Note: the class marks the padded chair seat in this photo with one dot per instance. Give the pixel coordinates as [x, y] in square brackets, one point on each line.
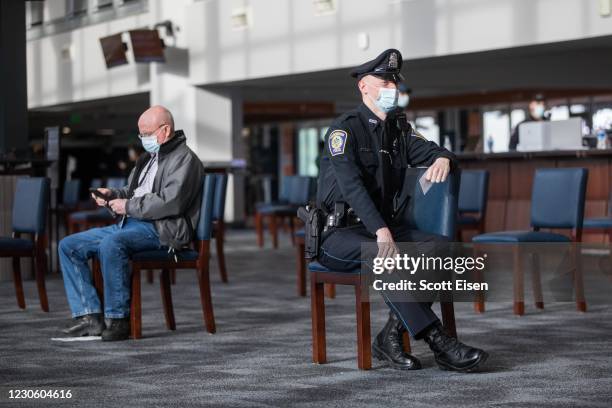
[300, 233]
[520, 236]
[100, 214]
[317, 267]
[602, 222]
[261, 205]
[163, 255]
[15, 244]
[467, 220]
[286, 209]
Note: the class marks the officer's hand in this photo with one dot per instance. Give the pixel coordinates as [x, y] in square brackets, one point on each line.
[386, 244]
[438, 171]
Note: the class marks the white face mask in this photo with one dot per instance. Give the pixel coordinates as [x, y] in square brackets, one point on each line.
[387, 99]
[538, 111]
[403, 100]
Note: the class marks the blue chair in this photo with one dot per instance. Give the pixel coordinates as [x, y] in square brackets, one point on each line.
[296, 191]
[550, 188]
[434, 212]
[219, 223]
[596, 224]
[29, 217]
[98, 217]
[473, 192]
[186, 259]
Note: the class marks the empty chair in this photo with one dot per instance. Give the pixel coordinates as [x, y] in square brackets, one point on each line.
[551, 187]
[434, 212]
[472, 206]
[597, 224]
[29, 217]
[219, 223]
[99, 217]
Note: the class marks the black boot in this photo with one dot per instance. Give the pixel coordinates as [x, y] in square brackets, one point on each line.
[87, 325]
[116, 329]
[388, 346]
[450, 353]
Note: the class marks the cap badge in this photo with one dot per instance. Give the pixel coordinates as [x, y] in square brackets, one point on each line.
[393, 60]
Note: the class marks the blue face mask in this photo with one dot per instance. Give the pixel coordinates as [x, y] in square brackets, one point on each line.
[387, 99]
[149, 143]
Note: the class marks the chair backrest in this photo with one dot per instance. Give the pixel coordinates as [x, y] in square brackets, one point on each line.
[300, 191]
[204, 230]
[96, 183]
[72, 189]
[219, 199]
[116, 182]
[473, 191]
[557, 198]
[30, 205]
[436, 211]
[286, 186]
[610, 204]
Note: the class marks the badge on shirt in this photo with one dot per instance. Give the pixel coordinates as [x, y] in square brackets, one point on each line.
[337, 141]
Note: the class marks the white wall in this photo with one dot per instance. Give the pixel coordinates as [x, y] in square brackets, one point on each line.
[286, 37]
[54, 79]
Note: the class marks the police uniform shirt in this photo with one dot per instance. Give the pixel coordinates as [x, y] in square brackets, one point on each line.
[349, 168]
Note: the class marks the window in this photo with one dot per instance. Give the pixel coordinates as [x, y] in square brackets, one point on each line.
[516, 117]
[308, 151]
[602, 119]
[102, 4]
[427, 126]
[34, 13]
[76, 7]
[496, 131]
[561, 112]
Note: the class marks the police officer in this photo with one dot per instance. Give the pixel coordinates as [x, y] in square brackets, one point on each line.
[537, 113]
[362, 169]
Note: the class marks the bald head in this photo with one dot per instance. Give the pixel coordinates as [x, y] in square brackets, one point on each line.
[157, 120]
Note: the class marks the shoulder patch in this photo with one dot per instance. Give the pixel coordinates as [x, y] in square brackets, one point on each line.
[337, 141]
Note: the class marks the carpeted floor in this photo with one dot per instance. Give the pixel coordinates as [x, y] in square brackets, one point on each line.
[261, 354]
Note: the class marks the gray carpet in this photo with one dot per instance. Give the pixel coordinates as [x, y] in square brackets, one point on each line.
[261, 354]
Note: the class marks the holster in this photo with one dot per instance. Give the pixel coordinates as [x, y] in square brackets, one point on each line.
[314, 220]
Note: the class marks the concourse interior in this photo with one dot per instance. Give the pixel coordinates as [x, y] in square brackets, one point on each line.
[261, 353]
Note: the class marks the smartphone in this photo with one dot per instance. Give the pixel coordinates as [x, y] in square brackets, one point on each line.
[98, 193]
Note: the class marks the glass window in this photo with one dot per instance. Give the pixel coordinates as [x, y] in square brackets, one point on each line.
[561, 112]
[602, 119]
[496, 131]
[34, 13]
[104, 3]
[308, 151]
[516, 117]
[427, 126]
[76, 7]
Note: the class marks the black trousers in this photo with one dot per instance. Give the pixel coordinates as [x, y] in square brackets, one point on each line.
[341, 251]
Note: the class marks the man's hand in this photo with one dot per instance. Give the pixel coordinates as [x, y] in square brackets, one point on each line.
[118, 205]
[438, 171]
[100, 201]
[386, 244]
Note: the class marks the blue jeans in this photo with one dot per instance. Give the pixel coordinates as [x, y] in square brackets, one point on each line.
[113, 246]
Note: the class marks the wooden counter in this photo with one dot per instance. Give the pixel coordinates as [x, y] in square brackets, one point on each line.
[511, 180]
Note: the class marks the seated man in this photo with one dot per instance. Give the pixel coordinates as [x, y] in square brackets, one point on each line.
[158, 208]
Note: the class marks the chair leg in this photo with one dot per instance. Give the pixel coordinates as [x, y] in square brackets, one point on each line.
[274, 230]
[479, 302]
[364, 341]
[578, 282]
[259, 229]
[317, 312]
[18, 283]
[301, 270]
[219, 241]
[150, 277]
[41, 269]
[173, 276]
[97, 279]
[448, 317]
[536, 282]
[292, 230]
[205, 296]
[330, 290]
[519, 295]
[166, 295]
[136, 305]
[406, 342]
